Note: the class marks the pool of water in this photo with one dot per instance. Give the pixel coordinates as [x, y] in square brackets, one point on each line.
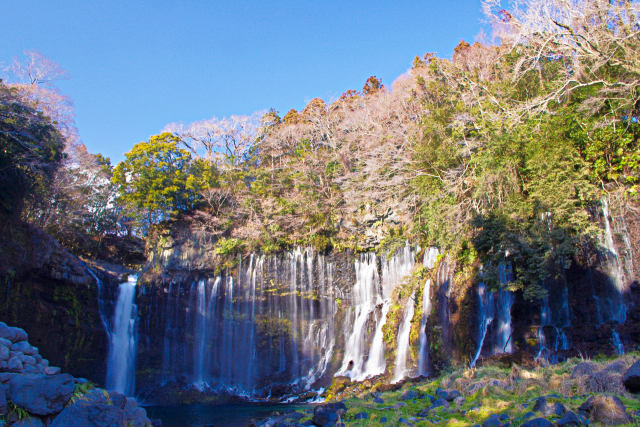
[227, 415]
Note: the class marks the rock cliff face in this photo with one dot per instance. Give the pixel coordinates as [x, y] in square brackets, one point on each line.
[50, 292]
[287, 323]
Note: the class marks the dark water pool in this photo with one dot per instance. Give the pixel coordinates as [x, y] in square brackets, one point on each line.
[228, 415]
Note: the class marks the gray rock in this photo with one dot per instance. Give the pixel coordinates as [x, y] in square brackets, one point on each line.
[409, 395]
[29, 422]
[584, 368]
[631, 378]
[95, 409]
[604, 409]
[538, 422]
[31, 369]
[51, 370]
[3, 365]
[5, 342]
[6, 376]
[327, 415]
[440, 402]
[3, 401]
[492, 421]
[405, 422]
[569, 419]
[12, 334]
[378, 400]
[15, 364]
[362, 416]
[41, 394]
[25, 348]
[618, 367]
[459, 401]
[4, 352]
[28, 360]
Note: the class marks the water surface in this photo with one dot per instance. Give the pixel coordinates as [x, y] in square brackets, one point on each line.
[227, 415]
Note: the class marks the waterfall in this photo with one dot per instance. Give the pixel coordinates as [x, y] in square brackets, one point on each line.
[423, 362]
[268, 323]
[120, 366]
[486, 313]
[402, 347]
[616, 312]
[364, 355]
[503, 301]
[617, 343]
[101, 304]
[366, 295]
[429, 261]
[376, 362]
[200, 337]
[494, 316]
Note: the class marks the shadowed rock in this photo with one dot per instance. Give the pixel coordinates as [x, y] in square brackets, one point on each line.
[631, 378]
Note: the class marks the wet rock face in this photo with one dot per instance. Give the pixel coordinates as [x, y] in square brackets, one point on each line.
[50, 293]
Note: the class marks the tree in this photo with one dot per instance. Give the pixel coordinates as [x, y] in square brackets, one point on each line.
[226, 142]
[31, 149]
[152, 180]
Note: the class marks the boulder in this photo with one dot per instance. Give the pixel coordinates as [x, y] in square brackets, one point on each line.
[41, 394]
[4, 352]
[5, 342]
[327, 415]
[12, 334]
[28, 360]
[96, 408]
[492, 421]
[584, 368]
[51, 370]
[538, 422]
[3, 401]
[604, 381]
[604, 409]
[631, 378]
[24, 347]
[15, 364]
[409, 395]
[361, 416]
[28, 422]
[570, 419]
[548, 409]
[440, 402]
[618, 367]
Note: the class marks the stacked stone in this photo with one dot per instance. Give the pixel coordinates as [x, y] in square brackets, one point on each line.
[17, 355]
[32, 393]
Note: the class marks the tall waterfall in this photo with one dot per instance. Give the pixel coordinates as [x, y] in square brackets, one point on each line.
[429, 260]
[370, 298]
[494, 316]
[611, 306]
[402, 347]
[269, 323]
[554, 319]
[122, 349]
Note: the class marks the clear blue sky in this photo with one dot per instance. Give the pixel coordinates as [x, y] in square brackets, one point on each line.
[138, 65]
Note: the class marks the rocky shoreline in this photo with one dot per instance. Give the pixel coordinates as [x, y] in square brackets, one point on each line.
[34, 394]
[573, 393]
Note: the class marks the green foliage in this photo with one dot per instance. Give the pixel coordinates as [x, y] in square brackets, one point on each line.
[228, 246]
[31, 149]
[152, 180]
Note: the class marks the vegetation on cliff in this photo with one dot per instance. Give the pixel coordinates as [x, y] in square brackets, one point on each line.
[504, 149]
